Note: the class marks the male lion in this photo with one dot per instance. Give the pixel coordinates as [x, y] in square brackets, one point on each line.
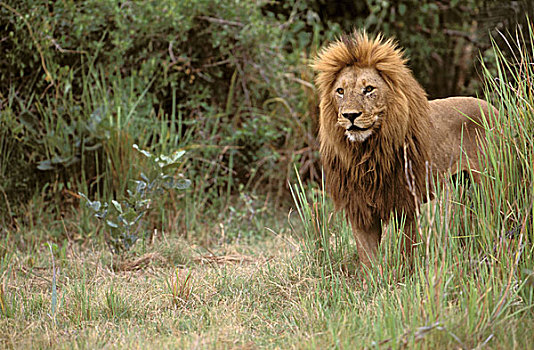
[379, 136]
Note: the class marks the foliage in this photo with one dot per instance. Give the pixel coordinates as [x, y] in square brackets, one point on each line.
[180, 286]
[434, 34]
[475, 251]
[83, 81]
[123, 218]
[326, 237]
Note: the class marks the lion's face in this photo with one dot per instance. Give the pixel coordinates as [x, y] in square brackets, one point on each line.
[360, 97]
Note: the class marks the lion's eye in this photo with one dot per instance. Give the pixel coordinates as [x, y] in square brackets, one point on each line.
[340, 91]
[368, 89]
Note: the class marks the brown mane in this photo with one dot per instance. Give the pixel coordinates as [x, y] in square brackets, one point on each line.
[369, 179]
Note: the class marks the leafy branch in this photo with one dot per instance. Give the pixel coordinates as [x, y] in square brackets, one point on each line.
[122, 218]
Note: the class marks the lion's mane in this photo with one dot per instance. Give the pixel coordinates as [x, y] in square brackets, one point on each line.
[371, 179]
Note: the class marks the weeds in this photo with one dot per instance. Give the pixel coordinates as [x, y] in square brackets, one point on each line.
[472, 281]
[474, 238]
[123, 218]
[4, 306]
[116, 307]
[180, 286]
[53, 289]
[82, 302]
[326, 237]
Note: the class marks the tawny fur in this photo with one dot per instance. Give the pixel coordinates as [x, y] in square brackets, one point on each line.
[365, 171]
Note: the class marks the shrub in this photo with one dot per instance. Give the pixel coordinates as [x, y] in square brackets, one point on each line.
[82, 81]
[122, 217]
[94, 77]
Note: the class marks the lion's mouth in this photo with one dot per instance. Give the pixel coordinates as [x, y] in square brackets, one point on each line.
[357, 128]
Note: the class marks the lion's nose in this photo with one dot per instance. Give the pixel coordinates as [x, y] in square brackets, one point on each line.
[352, 116]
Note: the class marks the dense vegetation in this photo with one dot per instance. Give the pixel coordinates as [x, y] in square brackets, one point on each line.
[179, 125]
[227, 80]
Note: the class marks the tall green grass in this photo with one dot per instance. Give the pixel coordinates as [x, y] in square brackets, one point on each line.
[473, 267]
[236, 99]
[326, 236]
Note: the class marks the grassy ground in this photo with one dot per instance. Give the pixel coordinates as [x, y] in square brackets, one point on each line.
[277, 289]
[233, 296]
[230, 270]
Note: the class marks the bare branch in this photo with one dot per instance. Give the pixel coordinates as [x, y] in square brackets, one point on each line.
[221, 21]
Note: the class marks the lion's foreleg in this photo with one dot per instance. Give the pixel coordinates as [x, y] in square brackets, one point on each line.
[367, 240]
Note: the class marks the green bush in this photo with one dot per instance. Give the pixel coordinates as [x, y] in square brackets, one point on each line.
[123, 218]
[94, 77]
[82, 81]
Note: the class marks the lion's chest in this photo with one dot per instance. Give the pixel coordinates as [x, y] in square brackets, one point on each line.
[368, 189]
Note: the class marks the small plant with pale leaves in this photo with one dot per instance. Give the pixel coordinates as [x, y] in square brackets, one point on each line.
[122, 218]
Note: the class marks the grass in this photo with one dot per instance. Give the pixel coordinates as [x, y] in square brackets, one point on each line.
[231, 272]
[264, 292]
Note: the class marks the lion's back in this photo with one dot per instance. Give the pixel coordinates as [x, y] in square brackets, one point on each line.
[456, 127]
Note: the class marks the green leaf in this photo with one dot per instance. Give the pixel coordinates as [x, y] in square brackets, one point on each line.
[45, 165]
[402, 9]
[96, 205]
[141, 185]
[101, 214]
[143, 152]
[60, 160]
[144, 177]
[182, 184]
[170, 166]
[117, 205]
[111, 224]
[177, 155]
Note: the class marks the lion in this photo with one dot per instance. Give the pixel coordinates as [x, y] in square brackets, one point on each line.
[381, 140]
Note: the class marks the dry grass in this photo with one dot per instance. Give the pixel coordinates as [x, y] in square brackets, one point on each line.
[217, 299]
[263, 293]
[234, 285]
